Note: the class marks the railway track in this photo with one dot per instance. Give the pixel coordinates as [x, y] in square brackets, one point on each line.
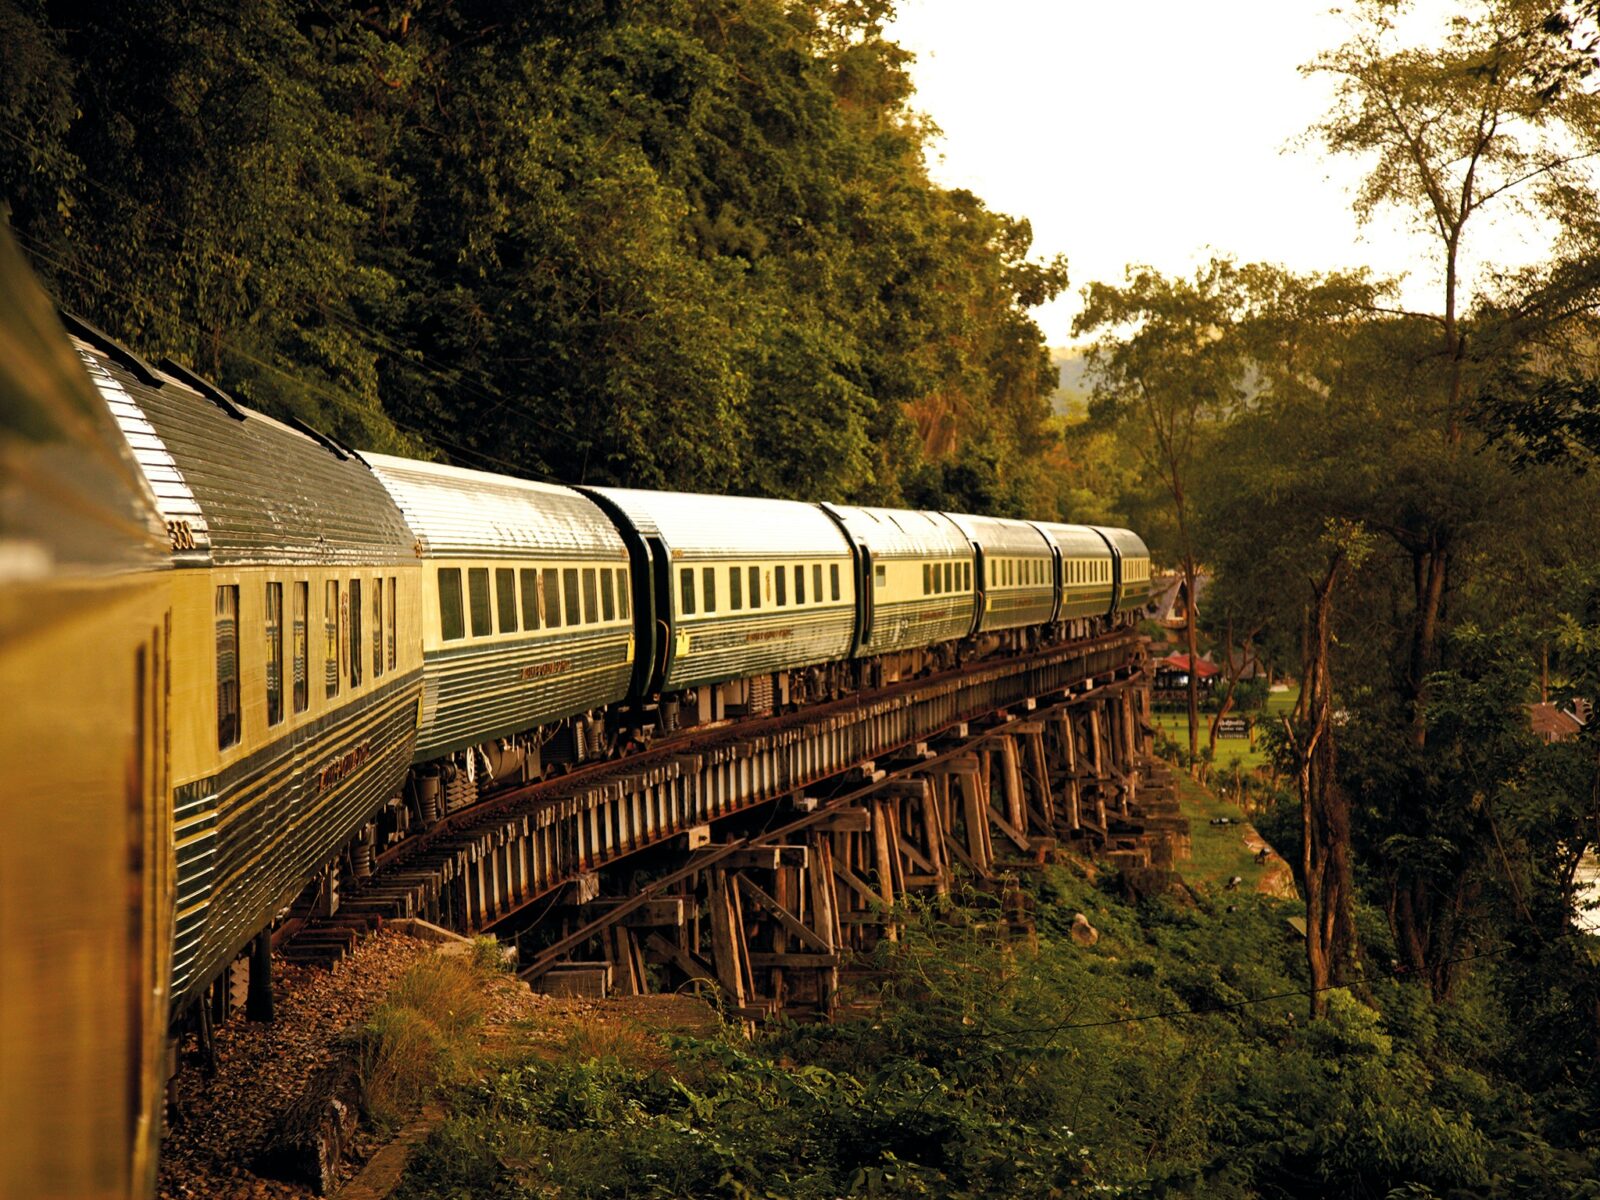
[485, 867]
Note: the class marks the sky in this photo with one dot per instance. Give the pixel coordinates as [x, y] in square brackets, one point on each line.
[1156, 133]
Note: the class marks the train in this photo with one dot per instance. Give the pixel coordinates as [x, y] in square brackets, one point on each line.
[259, 654]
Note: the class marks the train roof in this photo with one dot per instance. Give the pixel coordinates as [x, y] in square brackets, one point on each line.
[73, 501]
[461, 513]
[1002, 535]
[1128, 543]
[696, 527]
[902, 532]
[245, 487]
[1077, 541]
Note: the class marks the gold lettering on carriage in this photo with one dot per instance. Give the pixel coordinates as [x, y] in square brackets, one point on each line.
[541, 670]
[769, 635]
[344, 766]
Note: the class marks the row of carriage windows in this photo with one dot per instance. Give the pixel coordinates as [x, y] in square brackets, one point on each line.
[1089, 570]
[938, 578]
[1018, 572]
[345, 644]
[1026, 572]
[745, 587]
[529, 598]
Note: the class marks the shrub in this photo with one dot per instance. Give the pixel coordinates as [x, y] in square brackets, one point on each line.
[424, 1036]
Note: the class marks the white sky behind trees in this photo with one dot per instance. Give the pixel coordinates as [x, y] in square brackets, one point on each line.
[1160, 133]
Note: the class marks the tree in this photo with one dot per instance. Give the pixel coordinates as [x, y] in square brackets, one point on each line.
[1164, 368]
[686, 245]
[1454, 130]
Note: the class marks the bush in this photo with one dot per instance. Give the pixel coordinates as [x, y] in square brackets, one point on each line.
[423, 1037]
[1174, 1057]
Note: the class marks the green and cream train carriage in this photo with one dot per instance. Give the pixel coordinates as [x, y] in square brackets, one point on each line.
[1132, 569]
[296, 663]
[1015, 567]
[735, 595]
[1085, 573]
[526, 615]
[915, 576]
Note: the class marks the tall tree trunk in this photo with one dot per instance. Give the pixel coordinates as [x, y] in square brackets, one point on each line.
[1331, 944]
[1191, 617]
[1429, 568]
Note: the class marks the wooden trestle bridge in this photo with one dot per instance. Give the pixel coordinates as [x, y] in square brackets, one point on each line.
[765, 856]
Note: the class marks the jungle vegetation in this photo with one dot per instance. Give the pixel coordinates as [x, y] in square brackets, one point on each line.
[665, 243]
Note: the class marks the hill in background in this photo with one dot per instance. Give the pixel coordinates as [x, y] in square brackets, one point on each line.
[1071, 396]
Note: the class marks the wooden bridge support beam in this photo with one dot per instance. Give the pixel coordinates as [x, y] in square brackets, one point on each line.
[773, 933]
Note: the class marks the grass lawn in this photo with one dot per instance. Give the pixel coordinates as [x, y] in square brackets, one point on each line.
[1217, 852]
[1174, 724]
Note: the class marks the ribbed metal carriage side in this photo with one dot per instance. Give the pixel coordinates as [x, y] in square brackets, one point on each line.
[85, 857]
[716, 531]
[257, 500]
[1014, 606]
[901, 535]
[1128, 546]
[477, 690]
[1080, 543]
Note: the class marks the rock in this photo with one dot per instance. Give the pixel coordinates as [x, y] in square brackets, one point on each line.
[1084, 933]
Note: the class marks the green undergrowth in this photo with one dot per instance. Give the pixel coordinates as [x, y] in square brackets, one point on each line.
[991, 1069]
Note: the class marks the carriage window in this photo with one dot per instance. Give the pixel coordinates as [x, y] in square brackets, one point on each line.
[780, 577]
[708, 583]
[550, 597]
[569, 591]
[591, 597]
[833, 575]
[301, 639]
[686, 591]
[274, 653]
[608, 603]
[880, 576]
[966, 577]
[377, 627]
[451, 624]
[735, 588]
[505, 598]
[938, 580]
[755, 587]
[949, 577]
[478, 601]
[330, 629]
[530, 597]
[927, 579]
[622, 592]
[355, 633]
[227, 667]
[799, 584]
[394, 618]
[816, 582]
